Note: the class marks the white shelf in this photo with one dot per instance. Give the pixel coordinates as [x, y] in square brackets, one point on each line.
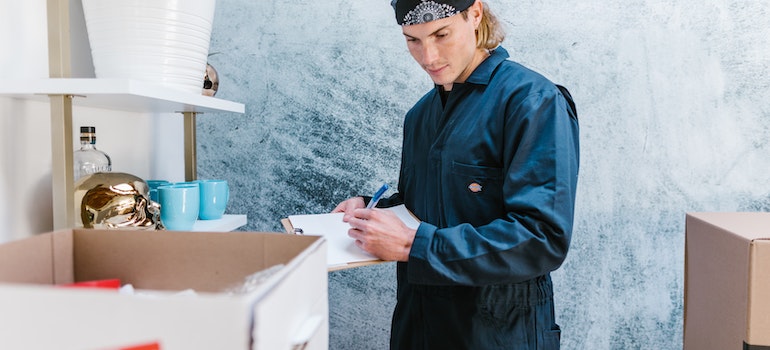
[225, 224]
[119, 94]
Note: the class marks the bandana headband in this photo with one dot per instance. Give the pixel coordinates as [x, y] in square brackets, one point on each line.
[409, 12]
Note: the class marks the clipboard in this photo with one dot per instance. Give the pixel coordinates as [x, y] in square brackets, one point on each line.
[342, 253]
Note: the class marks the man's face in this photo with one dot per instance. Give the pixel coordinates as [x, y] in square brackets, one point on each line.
[445, 48]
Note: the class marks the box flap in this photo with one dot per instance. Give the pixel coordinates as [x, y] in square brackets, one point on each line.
[62, 252]
[749, 225]
[27, 261]
[717, 263]
[41, 317]
[174, 260]
[758, 332]
[283, 312]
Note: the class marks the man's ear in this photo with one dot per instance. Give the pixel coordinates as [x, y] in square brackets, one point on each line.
[475, 12]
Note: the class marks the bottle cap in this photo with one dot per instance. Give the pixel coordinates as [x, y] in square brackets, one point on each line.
[88, 134]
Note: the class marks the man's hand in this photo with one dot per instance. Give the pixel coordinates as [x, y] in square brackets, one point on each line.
[380, 233]
[348, 206]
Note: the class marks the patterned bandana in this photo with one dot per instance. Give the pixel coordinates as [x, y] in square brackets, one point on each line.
[409, 12]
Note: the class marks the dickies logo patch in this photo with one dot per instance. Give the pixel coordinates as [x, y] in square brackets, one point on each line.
[475, 187]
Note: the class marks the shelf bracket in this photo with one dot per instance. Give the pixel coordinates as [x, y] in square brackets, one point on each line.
[190, 160]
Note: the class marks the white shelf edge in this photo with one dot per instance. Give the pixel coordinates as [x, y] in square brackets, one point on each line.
[228, 222]
[122, 94]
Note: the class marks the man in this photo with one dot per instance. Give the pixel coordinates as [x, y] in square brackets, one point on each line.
[489, 165]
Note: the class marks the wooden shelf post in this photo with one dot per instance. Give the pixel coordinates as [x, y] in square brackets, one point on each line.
[59, 66]
[190, 161]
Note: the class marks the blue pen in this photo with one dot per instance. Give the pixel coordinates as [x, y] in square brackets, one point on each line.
[377, 196]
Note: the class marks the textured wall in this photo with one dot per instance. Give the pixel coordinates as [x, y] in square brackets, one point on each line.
[674, 118]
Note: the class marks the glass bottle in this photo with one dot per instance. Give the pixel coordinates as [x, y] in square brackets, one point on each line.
[88, 159]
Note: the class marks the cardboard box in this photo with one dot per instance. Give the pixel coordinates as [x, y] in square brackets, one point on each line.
[727, 281]
[289, 308]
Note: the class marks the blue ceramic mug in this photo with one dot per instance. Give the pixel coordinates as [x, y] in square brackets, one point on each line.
[153, 185]
[179, 206]
[214, 197]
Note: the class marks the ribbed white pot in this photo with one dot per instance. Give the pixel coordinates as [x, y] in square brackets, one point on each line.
[160, 41]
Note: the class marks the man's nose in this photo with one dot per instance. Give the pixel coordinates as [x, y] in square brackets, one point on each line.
[429, 53]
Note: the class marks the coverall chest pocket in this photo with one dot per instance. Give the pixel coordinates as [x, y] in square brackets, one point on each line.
[476, 182]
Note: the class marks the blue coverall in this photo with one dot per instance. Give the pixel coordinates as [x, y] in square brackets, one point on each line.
[492, 175]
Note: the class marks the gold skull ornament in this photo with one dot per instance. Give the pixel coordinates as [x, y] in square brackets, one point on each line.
[115, 200]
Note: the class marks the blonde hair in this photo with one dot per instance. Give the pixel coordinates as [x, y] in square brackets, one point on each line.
[490, 33]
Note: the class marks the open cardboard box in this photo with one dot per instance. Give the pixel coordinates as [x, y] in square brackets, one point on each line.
[727, 281]
[289, 308]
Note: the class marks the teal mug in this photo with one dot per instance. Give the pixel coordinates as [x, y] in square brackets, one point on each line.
[179, 206]
[153, 185]
[213, 200]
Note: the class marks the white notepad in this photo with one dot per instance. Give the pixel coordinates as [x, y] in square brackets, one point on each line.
[341, 249]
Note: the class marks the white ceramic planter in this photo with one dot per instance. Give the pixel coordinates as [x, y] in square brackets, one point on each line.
[160, 41]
